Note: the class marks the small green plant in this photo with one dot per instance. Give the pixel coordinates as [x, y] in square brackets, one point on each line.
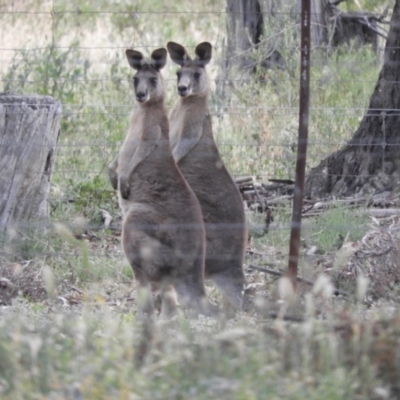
[92, 194]
[48, 71]
[27, 242]
[334, 226]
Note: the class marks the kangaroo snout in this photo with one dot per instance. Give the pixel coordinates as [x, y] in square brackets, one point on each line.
[141, 97]
[183, 90]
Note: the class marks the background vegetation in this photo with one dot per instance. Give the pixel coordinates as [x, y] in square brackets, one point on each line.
[82, 340]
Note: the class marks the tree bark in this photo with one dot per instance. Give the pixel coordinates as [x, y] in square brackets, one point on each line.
[244, 29]
[29, 131]
[370, 161]
[319, 26]
[247, 21]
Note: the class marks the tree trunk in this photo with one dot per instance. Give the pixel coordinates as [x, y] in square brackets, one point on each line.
[250, 21]
[361, 26]
[29, 131]
[244, 30]
[370, 161]
[319, 27]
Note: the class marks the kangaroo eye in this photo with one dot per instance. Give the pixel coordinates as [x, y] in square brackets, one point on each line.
[178, 74]
[153, 81]
[135, 80]
[196, 75]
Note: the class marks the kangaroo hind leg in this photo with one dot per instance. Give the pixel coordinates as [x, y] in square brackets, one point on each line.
[231, 288]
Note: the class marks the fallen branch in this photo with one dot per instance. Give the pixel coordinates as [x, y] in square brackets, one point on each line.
[244, 179]
[383, 212]
[76, 290]
[285, 317]
[278, 273]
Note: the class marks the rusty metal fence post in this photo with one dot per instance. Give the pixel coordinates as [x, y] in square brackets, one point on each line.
[302, 142]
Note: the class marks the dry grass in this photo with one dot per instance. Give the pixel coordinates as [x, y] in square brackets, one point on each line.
[68, 327]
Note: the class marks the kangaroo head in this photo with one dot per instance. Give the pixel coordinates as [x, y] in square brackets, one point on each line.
[147, 81]
[192, 76]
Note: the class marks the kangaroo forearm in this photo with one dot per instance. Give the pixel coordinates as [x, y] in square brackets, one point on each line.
[184, 146]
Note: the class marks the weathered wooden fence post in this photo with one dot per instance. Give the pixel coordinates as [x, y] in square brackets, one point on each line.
[29, 131]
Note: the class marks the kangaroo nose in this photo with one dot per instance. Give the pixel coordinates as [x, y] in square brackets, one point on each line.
[140, 96]
[182, 90]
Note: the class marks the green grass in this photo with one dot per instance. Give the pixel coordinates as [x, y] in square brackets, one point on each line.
[257, 124]
[339, 223]
[58, 354]
[65, 349]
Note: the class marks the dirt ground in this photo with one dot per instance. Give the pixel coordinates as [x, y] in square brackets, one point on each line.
[375, 257]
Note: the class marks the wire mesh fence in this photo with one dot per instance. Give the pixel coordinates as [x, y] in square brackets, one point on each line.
[74, 51]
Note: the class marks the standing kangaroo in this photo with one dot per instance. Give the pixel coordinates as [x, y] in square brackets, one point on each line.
[197, 156]
[163, 234]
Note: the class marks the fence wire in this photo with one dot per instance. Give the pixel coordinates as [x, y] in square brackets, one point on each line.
[92, 80]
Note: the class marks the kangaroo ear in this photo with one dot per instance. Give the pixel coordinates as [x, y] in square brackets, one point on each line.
[135, 58]
[178, 53]
[203, 53]
[159, 58]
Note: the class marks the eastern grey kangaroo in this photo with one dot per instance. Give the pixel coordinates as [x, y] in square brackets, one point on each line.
[163, 234]
[197, 156]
